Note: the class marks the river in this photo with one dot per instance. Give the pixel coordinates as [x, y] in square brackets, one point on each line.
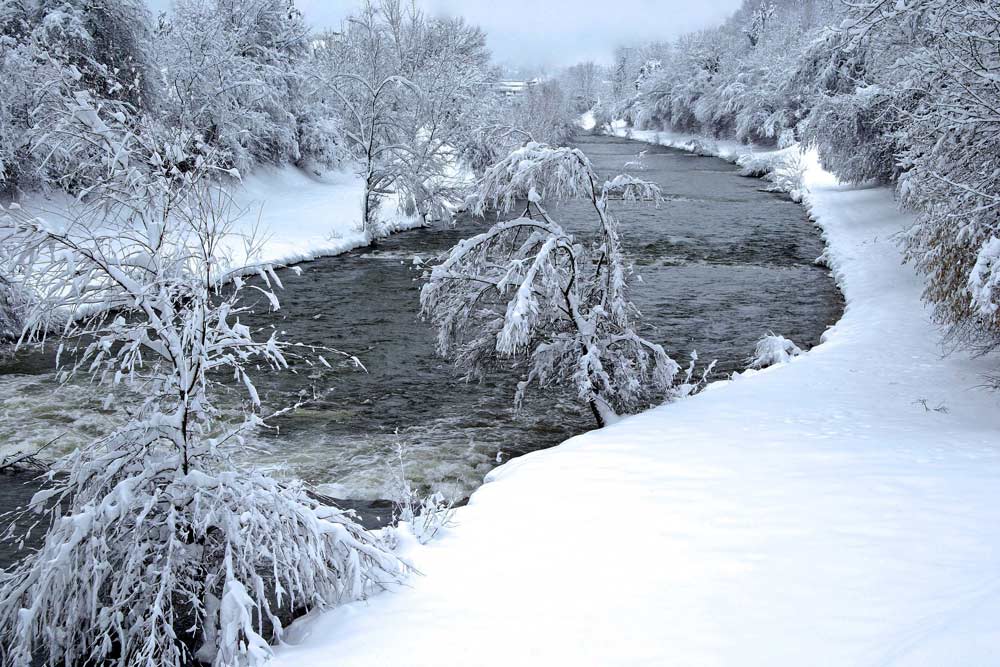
[722, 263]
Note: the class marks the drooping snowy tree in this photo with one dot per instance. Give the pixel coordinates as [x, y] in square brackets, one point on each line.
[526, 291]
[158, 547]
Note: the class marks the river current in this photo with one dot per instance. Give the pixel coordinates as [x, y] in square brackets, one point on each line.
[720, 264]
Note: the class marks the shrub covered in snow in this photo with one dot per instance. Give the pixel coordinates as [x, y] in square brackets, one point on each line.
[157, 545]
[772, 350]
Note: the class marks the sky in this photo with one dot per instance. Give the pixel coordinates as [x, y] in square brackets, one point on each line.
[552, 32]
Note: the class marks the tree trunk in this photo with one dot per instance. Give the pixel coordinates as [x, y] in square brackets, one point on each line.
[597, 414]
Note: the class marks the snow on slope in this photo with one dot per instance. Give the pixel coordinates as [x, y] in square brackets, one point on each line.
[293, 215]
[841, 509]
[301, 216]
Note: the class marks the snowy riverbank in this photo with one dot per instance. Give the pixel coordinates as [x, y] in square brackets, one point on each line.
[292, 216]
[289, 214]
[303, 216]
[841, 509]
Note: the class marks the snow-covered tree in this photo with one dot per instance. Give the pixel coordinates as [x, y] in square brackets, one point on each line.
[526, 291]
[448, 62]
[758, 22]
[232, 73]
[946, 64]
[543, 114]
[158, 547]
[51, 51]
[584, 84]
[360, 68]
[405, 85]
[734, 80]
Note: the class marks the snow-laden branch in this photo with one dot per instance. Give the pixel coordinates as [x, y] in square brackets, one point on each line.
[156, 542]
[527, 291]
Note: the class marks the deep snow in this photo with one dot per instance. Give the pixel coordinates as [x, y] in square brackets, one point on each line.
[840, 509]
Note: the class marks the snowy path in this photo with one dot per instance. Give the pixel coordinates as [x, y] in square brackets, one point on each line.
[812, 514]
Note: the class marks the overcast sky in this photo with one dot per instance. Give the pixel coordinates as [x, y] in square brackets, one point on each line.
[553, 32]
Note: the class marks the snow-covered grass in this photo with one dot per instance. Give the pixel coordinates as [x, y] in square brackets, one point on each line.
[840, 509]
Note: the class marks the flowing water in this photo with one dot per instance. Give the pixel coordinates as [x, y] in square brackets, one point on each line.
[722, 263]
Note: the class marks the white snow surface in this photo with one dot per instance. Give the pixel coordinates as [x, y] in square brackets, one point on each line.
[291, 215]
[300, 215]
[840, 509]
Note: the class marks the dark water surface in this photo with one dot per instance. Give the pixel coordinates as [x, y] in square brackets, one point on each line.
[722, 263]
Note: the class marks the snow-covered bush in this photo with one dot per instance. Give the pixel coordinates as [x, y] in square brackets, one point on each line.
[858, 135]
[951, 160]
[528, 292]
[785, 170]
[789, 173]
[772, 350]
[755, 165]
[157, 545]
[703, 147]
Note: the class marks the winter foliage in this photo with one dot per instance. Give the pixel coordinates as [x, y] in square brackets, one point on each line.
[889, 91]
[157, 547]
[526, 291]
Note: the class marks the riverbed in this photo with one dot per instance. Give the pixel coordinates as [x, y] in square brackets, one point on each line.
[718, 265]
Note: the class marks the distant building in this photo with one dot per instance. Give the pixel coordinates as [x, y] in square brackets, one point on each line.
[514, 88]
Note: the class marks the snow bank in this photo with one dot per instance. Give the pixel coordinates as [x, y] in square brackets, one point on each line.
[301, 216]
[840, 509]
[291, 214]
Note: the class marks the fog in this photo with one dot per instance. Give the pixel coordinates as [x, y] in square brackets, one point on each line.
[552, 32]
